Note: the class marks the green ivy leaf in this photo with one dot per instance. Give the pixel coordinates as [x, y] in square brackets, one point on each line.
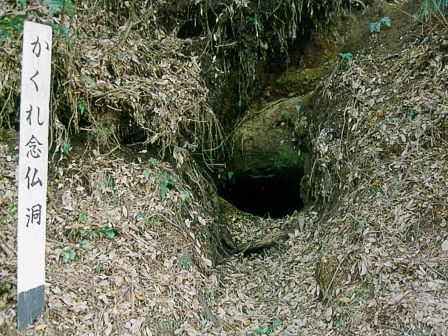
[106, 232]
[346, 56]
[153, 161]
[13, 208]
[375, 27]
[110, 181]
[81, 107]
[164, 181]
[66, 148]
[98, 267]
[68, 254]
[86, 244]
[277, 325]
[83, 217]
[89, 80]
[146, 172]
[186, 262]
[259, 330]
[59, 6]
[9, 24]
[386, 21]
[139, 215]
[185, 195]
[59, 28]
[413, 113]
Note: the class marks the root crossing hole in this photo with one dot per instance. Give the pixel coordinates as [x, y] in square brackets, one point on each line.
[272, 196]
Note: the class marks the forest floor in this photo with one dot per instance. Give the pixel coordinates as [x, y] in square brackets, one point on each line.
[123, 254]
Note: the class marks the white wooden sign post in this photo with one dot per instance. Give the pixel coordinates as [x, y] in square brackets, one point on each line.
[33, 166]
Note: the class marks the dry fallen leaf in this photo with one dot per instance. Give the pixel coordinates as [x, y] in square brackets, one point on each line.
[445, 246]
[40, 327]
[344, 299]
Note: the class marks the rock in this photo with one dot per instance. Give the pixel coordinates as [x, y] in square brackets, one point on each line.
[271, 139]
[445, 246]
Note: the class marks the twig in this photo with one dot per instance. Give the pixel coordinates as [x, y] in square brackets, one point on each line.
[259, 245]
[390, 56]
[436, 272]
[125, 36]
[6, 249]
[208, 313]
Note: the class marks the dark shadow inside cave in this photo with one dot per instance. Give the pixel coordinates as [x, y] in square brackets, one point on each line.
[274, 195]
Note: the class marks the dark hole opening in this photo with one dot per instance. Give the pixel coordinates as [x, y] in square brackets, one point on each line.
[190, 29]
[272, 196]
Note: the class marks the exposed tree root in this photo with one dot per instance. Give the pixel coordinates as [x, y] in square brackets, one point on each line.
[258, 246]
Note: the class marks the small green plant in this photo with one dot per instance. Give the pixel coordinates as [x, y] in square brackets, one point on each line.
[375, 27]
[61, 29]
[270, 328]
[68, 254]
[362, 223]
[423, 331]
[386, 21]
[231, 176]
[110, 181]
[89, 81]
[83, 217]
[86, 244]
[59, 6]
[66, 147]
[256, 21]
[153, 161]
[106, 231]
[105, 183]
[147, 172]
[340, 318]
[12, 208]
[98, 267]
[263, 331]
[139, 215]
[347, 57]
[185, 196]
[413, 113]
[10, 24]
[186, 262]
[434, 8]
[164, 180]
[81, 105]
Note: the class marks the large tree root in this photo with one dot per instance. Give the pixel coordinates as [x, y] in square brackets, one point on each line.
[257, 246]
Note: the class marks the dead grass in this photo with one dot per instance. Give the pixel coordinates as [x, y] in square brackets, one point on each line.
[117, 76]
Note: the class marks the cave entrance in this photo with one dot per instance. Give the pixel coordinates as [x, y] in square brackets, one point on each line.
[275, 195]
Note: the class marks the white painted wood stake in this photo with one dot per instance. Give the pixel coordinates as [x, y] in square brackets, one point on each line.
[33, 166]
